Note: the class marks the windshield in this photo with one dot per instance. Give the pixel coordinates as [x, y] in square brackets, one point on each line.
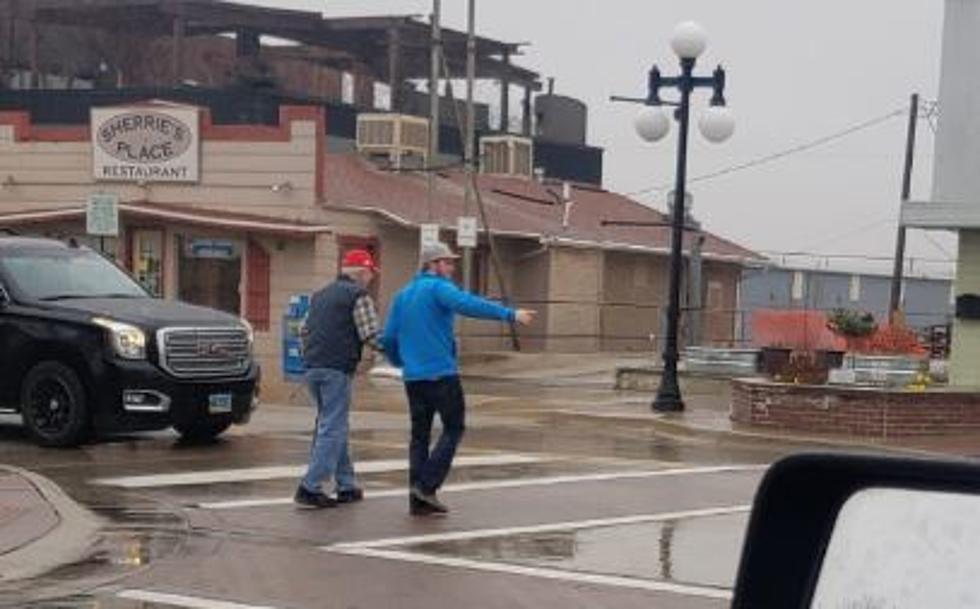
[57, 275]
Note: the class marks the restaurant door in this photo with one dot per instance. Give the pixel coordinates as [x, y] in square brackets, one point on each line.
[210, 272]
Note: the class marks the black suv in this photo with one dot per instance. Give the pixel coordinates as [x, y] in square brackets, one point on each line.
[84, 348]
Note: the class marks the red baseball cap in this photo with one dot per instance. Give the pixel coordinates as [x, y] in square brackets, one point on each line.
[359, 259]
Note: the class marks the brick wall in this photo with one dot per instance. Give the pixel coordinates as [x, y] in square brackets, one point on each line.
[853, 411]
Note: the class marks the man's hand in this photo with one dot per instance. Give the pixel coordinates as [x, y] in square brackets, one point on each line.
[524, 316]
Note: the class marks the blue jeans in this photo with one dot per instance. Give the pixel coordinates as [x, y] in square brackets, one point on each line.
[329, 455]
[428, 470]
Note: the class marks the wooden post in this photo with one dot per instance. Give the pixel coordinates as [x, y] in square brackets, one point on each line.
[394, 68]
[505, 98]
[177, 68]
[526, 112]
[35, 51]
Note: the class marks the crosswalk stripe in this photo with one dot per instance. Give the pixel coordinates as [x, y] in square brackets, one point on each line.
[502, 484]
[252, 474]
[571, 525]
[387, 549]
[179, 600]
[577, 577]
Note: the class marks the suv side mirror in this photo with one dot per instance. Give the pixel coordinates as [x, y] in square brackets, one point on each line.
[837, 530]
[4, 297]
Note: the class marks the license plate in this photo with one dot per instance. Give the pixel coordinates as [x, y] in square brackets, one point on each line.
[219, 403]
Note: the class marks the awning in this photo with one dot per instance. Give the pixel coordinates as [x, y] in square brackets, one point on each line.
[177, 214]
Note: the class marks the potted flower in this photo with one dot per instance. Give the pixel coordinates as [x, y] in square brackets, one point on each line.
[855, 327]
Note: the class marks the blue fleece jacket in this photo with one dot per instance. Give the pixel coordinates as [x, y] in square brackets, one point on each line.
[418, 335]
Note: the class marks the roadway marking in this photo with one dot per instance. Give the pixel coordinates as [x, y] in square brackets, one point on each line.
[383, 548]
[503, 484]
[252, 474]
[178, 600]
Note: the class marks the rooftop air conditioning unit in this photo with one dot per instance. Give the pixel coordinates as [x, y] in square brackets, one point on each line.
[507, 155]
[399, 137]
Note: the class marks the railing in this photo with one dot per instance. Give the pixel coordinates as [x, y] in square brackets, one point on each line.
[630, 326]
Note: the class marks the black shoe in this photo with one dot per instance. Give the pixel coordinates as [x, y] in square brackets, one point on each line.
[313, 501]
[429, 500]
[350, 495]
[421, 508]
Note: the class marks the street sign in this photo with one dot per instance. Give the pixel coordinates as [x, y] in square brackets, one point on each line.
[429, 234]
[466, 231]
[102, 215]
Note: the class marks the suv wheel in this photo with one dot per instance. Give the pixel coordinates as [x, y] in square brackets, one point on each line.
[203, 431]
[54, 405]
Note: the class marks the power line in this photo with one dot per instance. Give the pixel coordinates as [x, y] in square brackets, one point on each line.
[781, 154]
[853, 231]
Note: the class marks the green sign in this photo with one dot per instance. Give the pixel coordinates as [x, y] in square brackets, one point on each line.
[102, 215]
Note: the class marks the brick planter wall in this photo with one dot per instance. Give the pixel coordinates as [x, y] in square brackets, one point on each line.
[856, 411]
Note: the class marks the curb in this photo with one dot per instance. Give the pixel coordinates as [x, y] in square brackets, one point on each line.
[68, 542]
[678, 428]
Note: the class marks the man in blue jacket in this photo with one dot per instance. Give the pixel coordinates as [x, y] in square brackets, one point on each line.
[418, 338]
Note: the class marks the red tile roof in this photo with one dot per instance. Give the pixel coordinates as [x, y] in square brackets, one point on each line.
[514, 206]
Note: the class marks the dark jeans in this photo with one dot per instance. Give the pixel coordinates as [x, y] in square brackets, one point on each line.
[444, 396]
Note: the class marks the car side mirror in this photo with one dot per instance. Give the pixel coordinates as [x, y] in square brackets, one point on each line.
[4, 297]
[864, 532]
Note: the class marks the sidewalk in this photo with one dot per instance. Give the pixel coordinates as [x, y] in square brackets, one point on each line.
[41, 528]
[706, 400]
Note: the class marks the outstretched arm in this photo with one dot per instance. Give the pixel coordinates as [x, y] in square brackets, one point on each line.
[471, 305]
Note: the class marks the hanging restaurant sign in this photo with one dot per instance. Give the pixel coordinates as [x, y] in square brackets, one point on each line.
[146, 144]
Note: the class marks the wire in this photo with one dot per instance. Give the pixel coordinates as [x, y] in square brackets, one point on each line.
[853, 231]
[781, 154]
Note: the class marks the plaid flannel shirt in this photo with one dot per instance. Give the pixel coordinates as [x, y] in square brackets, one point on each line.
[367, 322]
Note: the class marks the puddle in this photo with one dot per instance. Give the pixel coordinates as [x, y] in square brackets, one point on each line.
[697, 551]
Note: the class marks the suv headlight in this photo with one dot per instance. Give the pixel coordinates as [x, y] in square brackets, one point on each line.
[129, 342]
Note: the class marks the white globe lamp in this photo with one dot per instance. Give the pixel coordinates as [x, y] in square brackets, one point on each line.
[717, 124]
[652, 123]
[689, 40]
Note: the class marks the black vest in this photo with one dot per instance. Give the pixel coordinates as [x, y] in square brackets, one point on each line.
[333, 341]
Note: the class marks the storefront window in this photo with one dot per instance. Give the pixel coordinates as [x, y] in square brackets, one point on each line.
[148, 260]
[210, 272]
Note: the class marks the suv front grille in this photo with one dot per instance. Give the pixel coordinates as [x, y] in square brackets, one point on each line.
[204, 352]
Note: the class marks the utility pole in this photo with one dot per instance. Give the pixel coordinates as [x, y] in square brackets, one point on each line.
[470, 136]
[434, 68]
[898, 269]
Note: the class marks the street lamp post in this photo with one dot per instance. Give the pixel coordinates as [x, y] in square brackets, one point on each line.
[652, 124]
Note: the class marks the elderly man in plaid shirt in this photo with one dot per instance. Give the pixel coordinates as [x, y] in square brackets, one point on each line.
[342, 319]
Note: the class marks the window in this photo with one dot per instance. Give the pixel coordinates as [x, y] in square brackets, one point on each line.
[797, 288]
[347, 86]
[147, 262]
[855, 291]
[56, 275]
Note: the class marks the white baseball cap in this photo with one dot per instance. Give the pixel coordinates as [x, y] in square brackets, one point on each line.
[436, 251]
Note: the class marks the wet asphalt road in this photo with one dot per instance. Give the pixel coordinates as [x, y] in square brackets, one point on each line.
[547, 511]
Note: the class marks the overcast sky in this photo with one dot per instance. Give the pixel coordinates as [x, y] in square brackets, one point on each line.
[797, 71]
